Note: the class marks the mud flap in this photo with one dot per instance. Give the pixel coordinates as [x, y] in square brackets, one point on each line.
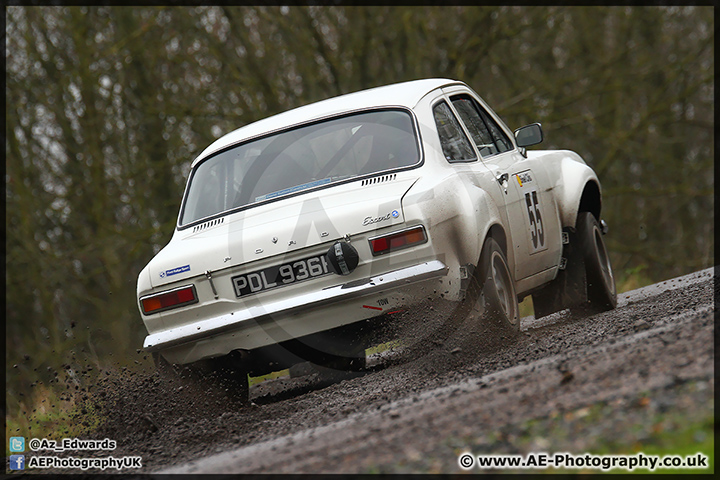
[569, 287]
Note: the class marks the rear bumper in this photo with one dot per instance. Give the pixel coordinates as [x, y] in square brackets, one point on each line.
[204, 329]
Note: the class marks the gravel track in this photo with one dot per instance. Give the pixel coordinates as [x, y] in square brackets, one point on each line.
[417, 413]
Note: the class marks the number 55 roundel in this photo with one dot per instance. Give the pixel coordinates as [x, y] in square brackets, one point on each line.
[537, 234]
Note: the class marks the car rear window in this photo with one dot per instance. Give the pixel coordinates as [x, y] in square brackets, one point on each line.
[303, 158]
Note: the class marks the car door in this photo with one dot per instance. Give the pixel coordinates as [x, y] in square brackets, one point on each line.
[524, 185]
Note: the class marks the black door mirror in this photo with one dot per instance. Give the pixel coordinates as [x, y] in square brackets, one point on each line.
[529, 135]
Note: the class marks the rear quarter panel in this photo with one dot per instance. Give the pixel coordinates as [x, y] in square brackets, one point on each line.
[452, 201]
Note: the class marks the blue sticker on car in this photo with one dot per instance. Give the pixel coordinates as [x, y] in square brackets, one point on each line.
[175, 271]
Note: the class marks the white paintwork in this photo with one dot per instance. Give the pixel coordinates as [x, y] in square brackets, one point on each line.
[270, 322]
[457, 204]
[334, 210]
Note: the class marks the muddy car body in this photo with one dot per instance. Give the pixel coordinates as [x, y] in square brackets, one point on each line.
[299, 227]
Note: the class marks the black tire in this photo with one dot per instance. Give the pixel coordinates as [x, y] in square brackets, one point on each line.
[222, 375]
[600, 282]
[501, 309]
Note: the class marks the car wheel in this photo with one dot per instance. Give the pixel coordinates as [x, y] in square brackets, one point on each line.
[600, 282]
[221, 375]
[501, 309]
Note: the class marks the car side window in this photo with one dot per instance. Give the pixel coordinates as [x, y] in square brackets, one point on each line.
[455, 145]
[475, 125]
[491, 138]
[501, 140]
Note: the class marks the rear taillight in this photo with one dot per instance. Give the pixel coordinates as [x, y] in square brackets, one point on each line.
[398, 240]
[178, 297]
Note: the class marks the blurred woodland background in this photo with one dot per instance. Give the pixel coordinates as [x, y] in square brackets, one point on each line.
[107, 106]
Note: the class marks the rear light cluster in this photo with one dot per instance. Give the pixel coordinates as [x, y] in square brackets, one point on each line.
[175, 298]
[398, 240]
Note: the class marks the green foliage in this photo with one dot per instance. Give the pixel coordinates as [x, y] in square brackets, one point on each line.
[48, 414]
[107, 107]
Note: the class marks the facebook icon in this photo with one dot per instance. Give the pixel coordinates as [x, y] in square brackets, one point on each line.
[17, 462]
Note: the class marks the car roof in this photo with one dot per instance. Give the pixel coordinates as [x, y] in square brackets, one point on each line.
[405, 94]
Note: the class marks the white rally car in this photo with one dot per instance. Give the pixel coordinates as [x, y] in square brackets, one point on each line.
[297, 231]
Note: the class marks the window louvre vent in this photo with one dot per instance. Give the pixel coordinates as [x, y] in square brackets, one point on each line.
[209, 224]
[380, 179]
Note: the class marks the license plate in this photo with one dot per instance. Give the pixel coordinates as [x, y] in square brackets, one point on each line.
[280, 275]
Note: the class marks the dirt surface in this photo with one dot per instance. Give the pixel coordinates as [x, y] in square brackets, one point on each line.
[417, 412]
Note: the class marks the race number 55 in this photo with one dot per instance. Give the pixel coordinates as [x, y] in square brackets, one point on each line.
[537, 234]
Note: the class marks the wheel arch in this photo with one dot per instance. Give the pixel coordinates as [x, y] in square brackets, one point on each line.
[591, 200]
[497, 233]
[577, 188]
